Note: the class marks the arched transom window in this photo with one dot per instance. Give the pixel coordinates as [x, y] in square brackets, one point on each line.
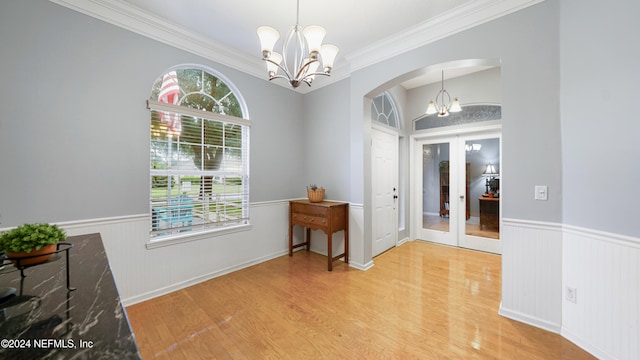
[383, 110]
[199, 160]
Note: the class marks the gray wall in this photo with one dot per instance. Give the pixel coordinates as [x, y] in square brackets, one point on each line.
[600, 130]
[74, 116]
[326, 145]
[75, 128]
[527, 45]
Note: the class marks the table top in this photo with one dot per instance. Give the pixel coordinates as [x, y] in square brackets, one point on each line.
[45, 320]
[483, 198]
[322, 203]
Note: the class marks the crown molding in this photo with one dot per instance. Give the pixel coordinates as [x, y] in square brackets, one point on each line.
[131, 18]
[456, 20]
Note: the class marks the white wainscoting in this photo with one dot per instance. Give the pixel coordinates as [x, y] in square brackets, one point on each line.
[604, 269]
[539, 262]
[532, 273]
[142, 273]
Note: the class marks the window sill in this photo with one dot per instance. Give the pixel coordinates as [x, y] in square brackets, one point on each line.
[196, 236]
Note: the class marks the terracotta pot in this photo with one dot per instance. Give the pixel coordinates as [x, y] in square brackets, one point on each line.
[32, 257]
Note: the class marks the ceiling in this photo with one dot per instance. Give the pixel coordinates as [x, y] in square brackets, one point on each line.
[350, 24]
[365, 31]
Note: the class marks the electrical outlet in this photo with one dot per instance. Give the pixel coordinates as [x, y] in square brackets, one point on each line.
[572, 294]
[541, 192]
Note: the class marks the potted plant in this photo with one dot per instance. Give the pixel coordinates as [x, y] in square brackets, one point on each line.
[35, 242]
[315, 193]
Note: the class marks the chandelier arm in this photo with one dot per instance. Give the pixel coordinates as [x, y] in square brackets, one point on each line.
[279, 77]
[443, 92]
[286, 72]
[318, 73]
[303, 68]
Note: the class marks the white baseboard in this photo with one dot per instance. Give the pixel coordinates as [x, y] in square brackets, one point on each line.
[402, 241]
[360, 266]
[585, 345]
[193, 281]
[524, 318]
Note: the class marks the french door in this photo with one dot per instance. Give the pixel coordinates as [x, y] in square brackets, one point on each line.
[456, 201]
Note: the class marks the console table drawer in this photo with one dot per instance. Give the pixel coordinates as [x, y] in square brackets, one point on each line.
[310, 209]
[308, 220]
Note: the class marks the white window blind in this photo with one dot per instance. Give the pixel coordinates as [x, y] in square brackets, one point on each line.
[199, 170]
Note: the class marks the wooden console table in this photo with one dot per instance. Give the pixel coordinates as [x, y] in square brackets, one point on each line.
[328, 216]
[489, 213]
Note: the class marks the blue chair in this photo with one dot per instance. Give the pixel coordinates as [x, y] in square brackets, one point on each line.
[177, 213]
[180, 211]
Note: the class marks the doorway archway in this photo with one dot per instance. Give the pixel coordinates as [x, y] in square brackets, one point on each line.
[475, 81]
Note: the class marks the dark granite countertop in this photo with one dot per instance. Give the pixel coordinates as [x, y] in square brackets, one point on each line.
[44, 320]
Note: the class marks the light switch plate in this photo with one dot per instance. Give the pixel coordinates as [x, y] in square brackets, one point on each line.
[541, 192]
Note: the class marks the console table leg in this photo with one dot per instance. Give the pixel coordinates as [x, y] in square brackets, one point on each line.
[290, 240]
[346, 246]
[330, 252]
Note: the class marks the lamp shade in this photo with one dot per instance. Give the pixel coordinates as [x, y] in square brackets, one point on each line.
[444, 112]
[455, 106]
[328, 52]
[490, 170]
[268, 37]
[314, 35]
[272, 68]
[431, 108]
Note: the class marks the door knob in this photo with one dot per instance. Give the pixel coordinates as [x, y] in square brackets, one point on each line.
[461, 197]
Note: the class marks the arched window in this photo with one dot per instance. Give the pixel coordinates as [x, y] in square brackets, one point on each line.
[199, 159]
[383, 110]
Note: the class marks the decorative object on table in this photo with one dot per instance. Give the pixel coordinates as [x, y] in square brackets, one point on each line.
[31, 244]
[491, 182]
[315, 193]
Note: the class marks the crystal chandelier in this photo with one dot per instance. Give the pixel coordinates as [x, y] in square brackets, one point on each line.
[302, 50]
[441, 107]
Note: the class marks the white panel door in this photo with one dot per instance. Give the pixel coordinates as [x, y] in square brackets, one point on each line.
[384, 154]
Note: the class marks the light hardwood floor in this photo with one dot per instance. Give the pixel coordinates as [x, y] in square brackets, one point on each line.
[472, 226]
[419, 301]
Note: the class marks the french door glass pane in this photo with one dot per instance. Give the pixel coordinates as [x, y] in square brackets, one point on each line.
[483, 189]
[435, 187]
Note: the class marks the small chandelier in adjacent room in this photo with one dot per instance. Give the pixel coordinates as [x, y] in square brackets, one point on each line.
[443, 106]
[301, 53]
